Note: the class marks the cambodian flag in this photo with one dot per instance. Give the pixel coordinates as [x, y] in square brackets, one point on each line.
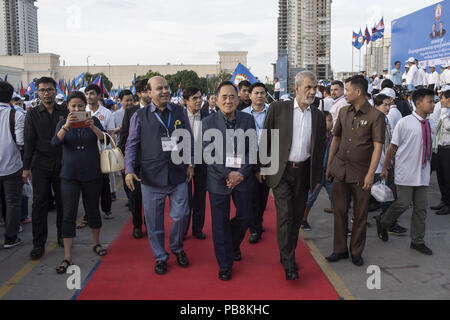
[378, 31]
[367, 35]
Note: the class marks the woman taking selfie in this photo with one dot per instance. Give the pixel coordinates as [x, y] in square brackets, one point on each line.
[80, 172]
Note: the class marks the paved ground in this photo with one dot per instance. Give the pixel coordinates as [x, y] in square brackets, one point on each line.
[405, 273]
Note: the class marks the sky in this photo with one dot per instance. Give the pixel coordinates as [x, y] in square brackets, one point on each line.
[130, 32]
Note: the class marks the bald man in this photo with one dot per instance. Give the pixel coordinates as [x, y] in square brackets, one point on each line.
[159, 176]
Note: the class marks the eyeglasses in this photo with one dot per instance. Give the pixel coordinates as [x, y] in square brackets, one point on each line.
[48, 90]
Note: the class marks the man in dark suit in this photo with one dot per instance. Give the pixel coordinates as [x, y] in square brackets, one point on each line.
[302, 133]
[229, 173]
[197, 186]
[210, 107]
[135, 202]
[152, 139]
[244, 95]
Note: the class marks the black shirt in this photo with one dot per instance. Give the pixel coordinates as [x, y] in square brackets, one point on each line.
[40, 127]
[242, 105]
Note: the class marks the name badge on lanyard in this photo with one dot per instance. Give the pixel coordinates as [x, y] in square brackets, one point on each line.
[233, 162]
[168, 143]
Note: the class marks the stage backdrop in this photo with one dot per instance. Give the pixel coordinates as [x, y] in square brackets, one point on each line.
[423, 35]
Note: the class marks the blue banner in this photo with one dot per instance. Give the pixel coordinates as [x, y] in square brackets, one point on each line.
[242, 73]
[423, 35]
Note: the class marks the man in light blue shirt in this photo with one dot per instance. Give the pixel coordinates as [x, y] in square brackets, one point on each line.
[396, 74]
[258, 110]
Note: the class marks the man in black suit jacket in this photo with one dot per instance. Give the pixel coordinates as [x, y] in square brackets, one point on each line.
[229, 174]
[135, 203]
[210, 107]
[302, 138]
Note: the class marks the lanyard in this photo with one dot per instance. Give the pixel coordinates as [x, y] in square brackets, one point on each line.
[168, 123]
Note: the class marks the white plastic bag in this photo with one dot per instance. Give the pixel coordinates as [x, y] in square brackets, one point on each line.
[381, 192]
[27, 190]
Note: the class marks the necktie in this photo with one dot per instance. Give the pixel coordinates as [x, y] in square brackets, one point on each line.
[426, 138]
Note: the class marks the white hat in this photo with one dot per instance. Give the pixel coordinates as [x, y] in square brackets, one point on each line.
[285, 97]
[411, 60]
[319, 94]
[388, 92]
[445, 88]
[59, 96]
[375, 73]
[446, 65]
[16, 96]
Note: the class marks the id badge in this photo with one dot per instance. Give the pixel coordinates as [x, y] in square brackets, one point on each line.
[169, 144]
[233, 162]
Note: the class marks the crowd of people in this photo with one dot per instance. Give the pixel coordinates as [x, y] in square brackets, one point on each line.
[344, 137]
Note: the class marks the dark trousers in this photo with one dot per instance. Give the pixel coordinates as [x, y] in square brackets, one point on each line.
[228, 234]
[136, 204]
[42, 180]
[197, 200]
[125, 188]
[443, 173]
[70, 193]
[105, 197]
[290, 196]
[342, 193]
[260, 196]
[11, 186]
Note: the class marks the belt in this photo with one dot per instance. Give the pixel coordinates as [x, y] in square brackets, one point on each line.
[298, 164]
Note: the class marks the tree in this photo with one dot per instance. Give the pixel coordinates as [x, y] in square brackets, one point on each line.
[214, 81]
[149, 74]
[89, 77]
[186, 78]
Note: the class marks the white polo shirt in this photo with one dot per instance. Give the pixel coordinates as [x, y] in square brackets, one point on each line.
[394, 116]
[105, 116]
[408, 159]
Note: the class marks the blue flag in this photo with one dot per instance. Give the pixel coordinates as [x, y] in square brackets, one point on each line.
[31, 88]
[79, 80]
[242, 73]
[378, 30]
[359, 40]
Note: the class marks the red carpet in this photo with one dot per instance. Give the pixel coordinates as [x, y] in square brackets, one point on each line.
[127, 271]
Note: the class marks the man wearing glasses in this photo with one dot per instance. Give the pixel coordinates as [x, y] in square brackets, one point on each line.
[42, 162]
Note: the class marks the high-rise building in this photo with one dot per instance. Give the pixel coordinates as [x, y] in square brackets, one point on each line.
[18, 27]
[304, 32]
[378, 56]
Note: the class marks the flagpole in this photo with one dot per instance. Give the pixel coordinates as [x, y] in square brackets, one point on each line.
[353, 51]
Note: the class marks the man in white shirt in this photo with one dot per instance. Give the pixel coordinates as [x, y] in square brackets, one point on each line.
[93, 96]
[445, 75]
[412, 77]
[11, 131]
[337, 93]
[433, 79]
[277, 89]
[412, 146]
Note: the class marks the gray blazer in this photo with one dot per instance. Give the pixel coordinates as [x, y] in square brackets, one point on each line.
[280, 116]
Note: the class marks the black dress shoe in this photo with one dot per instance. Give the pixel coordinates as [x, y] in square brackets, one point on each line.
[254, 238]
[182, 259]
[422, 248]
[439, 206]
[137, 233]
[36, 253]
[199, 235]
[291, 274]
[237, 255]
[443, 211]
[225, 274]
[161, 267]
[337, 256]
[381, 232]
[357, 260]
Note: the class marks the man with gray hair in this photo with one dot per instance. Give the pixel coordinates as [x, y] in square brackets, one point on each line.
[302, 130]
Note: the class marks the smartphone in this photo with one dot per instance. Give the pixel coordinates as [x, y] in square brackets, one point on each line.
[81, 117]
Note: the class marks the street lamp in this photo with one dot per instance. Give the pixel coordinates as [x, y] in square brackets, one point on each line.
[87, 62]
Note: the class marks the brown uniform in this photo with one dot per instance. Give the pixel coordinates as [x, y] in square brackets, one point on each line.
[358, 131]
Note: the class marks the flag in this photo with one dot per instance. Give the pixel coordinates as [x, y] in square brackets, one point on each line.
[378, 31]
[134, 80]
[367, 35]
[359, 40]
[118, 91]
[22, 90]
[98, 81]
[79, 81]
[6, 78]
[354, 39]
[31, 88]
[242, 73]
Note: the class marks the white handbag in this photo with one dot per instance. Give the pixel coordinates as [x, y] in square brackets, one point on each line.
[111, 160]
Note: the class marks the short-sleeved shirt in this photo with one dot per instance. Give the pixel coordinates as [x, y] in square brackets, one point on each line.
[358, 131]
[105, 116]
[408, 137]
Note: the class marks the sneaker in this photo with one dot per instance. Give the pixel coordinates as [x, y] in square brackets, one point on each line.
[305, 226]
[397, 229]
[11, 244]
[422, 248]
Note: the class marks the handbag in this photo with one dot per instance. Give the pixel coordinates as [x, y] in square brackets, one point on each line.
[111, 160]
